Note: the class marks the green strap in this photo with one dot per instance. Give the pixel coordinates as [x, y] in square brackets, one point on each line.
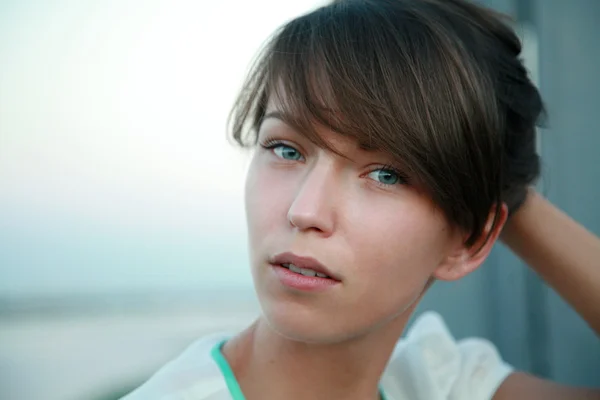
[232, 384]
[382, 394]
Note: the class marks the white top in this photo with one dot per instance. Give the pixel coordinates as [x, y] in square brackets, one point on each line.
[428, 364]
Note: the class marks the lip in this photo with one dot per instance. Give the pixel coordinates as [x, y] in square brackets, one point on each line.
[301, 282]
[303, 262]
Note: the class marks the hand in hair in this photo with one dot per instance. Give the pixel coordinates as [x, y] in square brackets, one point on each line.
[561, 251]
[566, 256]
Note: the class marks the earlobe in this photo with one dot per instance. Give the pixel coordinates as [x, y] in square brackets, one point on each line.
[466, 259]
[455, 267]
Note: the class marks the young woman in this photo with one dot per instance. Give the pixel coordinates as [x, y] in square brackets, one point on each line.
[394, 145]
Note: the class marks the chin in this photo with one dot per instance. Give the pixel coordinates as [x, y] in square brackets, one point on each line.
[306, 324]
[301, 329]
[295, 317]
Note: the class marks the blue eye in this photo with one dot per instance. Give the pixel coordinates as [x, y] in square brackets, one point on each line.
[287, 152]
[386, 176]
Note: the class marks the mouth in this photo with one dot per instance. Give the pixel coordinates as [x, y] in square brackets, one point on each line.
[305, 271]
[305, 266]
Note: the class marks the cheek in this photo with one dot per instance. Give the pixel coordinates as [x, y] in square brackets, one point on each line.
[402, 241]
[393, 245]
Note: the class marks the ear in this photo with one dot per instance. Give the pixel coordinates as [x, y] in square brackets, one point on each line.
[464, 259]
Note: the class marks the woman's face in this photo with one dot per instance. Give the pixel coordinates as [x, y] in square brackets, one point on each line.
[356, 217]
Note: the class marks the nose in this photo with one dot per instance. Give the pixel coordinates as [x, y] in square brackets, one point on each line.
[314, 208]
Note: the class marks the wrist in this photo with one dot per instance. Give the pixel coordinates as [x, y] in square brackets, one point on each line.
[531, 196]
[520, 217]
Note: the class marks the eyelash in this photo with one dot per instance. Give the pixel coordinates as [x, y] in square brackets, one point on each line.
[270, 144]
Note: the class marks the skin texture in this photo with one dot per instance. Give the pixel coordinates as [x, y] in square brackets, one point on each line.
[379, 233]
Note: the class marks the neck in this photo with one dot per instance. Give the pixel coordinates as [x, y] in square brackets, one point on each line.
[268, 365]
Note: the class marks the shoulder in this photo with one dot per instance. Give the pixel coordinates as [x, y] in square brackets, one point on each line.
[430, 364]
[193, 374]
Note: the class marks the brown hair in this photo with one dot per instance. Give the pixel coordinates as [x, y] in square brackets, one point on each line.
[437, 84]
